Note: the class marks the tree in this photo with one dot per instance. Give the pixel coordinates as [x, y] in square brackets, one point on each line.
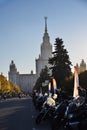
[6, 87]
[60, 62]
[40, 83]
[69, 82]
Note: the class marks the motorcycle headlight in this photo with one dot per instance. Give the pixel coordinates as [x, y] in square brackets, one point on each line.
[70, 116]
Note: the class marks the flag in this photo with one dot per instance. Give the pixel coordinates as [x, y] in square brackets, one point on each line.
[49, 88]
[54, 85]
[76, 82]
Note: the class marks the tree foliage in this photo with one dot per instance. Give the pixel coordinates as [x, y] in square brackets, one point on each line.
[60, 62]
[8, 87]
[68, 84]
[40, 83]
[83, 79]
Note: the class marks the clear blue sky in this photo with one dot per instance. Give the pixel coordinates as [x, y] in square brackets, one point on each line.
[22, 28]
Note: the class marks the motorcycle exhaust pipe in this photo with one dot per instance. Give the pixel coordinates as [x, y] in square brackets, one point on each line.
[74, 125]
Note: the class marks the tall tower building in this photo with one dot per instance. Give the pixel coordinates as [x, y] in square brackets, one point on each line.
[82, 66]
[46, 51]
[27, 81]
[13, 74]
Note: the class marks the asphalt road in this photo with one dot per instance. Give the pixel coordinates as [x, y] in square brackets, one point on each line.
[19, 114]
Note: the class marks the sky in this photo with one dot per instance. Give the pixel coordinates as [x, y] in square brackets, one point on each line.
[22, 27]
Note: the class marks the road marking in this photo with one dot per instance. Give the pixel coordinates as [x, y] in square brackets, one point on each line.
[34, 129]
[32, 116]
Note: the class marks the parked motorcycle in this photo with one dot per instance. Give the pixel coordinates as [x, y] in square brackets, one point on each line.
[74, 118]
[59, 114]
[76, 115]
[47, 110]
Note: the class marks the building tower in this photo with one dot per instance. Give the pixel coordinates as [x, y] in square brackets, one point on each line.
[46, 52]
[27, 81]
[82, 66]
[13, 74]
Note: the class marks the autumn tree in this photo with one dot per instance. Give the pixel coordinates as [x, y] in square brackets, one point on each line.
[7, 87]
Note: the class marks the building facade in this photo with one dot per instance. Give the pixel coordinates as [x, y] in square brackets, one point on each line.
[46, 51]
[27, 81]
[82, 66]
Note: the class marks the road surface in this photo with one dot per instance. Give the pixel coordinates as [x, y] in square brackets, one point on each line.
[19, 114]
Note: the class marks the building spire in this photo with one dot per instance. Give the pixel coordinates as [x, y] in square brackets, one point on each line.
[45, 24]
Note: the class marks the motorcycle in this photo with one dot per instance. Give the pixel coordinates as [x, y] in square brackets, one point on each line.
[75, 116]
[46, 111]
[39, 102]
[59, 114]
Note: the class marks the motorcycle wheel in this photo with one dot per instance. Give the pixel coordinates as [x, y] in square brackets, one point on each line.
[56, 125]
[60, 126]
[64, 128]
[39, 118]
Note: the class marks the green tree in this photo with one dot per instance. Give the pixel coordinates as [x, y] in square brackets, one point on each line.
[83, 79]
[41, 81]
[60, 62]
[68, 85]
